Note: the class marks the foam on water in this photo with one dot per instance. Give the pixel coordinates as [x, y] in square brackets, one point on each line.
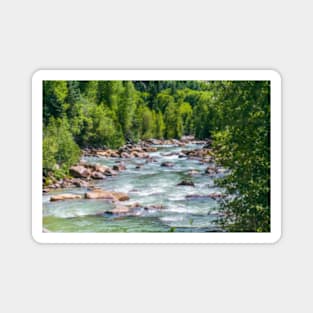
[150, 185]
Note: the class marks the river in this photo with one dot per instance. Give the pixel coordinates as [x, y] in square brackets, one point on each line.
[149, 185]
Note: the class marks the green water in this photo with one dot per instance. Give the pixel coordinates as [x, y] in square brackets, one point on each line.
[149, 185]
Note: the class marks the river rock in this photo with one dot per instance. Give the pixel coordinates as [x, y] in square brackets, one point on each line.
[119, 167]
[102, 153]
[97, 175]
[79, 171]
[199, 153]
[137, 154]
[110, 172]
[77, 182]
[134, 205]
[125, 155]
[186, 183]
[170, 154]
[193, 172]
[65, 196]
[109, 195]
[66, 184]
[208, 144]
[120, 196]
[210, 196]
[167, 164]
[97, 167]
[154, 207]
[129, 209]
[120, 209]
[103, 169]
[150, 149]
[134, 190]
[211, 170]
[100, 194]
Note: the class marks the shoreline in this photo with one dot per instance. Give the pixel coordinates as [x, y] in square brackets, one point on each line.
[83, 174]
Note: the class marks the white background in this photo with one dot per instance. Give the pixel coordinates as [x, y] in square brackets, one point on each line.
[135, 34]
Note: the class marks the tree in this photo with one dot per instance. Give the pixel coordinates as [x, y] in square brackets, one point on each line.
[202, 116]
[242, 145]
[73, 94]
[148, 126]
[185, 111]
[126, 109]
[54, 95]
[59, 148]
[173, 121]
[159, 125]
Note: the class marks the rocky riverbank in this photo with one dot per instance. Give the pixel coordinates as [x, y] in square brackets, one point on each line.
[86, 176]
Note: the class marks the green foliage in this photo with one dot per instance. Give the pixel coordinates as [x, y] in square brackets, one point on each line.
[185, 111]
[202, 115]
[79, 114]
[159, 125]
[59, 148]
[147, 126]
[173, 121]
[242, 145]
[126, 109]
[54, 96]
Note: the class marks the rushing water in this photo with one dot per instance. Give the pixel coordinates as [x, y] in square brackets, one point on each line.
[152, 184]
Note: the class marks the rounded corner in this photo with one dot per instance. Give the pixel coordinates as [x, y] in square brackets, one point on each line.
[276, 74]
[277, 238]
[37, 238]
[37, 74]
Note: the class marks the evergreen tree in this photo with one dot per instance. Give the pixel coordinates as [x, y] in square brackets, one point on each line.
[173, 121]
[54, 95]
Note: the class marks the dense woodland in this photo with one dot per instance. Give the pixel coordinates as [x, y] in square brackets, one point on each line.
[108, 114]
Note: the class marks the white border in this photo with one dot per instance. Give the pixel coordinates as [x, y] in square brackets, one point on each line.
[151, 238]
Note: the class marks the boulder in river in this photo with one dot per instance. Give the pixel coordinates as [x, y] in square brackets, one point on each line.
[214, 196]
[97, 167]
[80, 183]
[114, 154]
[125, 155]
[154, 207]
[65, 196]
[167, 164]
[110, 172]
[104, 194]
[120, 209]
[186, 183]
[170, 154]
[79, 171]
[97, 175]
[99, 194]
[193, 172]
[137, 154]
[150, 149]
[120, 196]
[211, 170]
[119, 167]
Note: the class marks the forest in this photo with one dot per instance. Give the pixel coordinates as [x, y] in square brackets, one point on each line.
[232, 116]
